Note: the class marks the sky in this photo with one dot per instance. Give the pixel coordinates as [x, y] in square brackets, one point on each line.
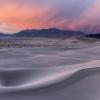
[16, 15]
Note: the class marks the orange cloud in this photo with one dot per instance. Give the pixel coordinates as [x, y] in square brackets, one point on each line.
[15, 16]
[22, 16]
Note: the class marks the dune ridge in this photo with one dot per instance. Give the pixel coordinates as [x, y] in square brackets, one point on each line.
[35, 78]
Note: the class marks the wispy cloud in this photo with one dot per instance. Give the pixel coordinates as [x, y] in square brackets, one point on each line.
[68, 14]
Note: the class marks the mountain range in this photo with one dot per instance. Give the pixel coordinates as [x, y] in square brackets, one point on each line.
[46, 33]
[50, 33]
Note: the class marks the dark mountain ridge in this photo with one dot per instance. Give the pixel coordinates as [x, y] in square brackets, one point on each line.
[46, 33]
[50, 33]
[96, 35]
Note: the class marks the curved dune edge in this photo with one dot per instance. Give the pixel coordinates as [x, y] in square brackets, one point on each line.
[26, 79]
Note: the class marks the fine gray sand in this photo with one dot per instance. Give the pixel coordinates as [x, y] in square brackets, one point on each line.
[50, 73]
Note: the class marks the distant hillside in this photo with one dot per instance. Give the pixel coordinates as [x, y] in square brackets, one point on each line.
[2, 34]
[97, 35]
[49, 33]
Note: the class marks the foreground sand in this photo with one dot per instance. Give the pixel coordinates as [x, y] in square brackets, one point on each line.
[50, 73]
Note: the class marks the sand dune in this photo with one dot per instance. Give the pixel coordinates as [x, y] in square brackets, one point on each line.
[23, 79]
[46, 73]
